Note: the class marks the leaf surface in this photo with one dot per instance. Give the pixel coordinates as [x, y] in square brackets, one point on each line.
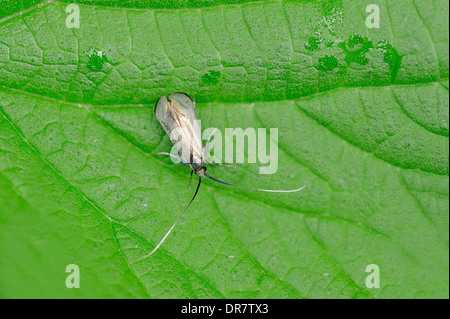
[362, 118]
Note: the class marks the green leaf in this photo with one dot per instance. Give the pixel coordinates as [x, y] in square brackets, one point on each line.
[362, 118]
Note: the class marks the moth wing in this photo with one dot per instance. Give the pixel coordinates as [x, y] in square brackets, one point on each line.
[185, 103]
[179, 114]
[174, 114]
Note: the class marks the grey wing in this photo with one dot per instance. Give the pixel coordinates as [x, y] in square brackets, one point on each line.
[187, 107]
[178, 114]
[164, 116]
[185, 103]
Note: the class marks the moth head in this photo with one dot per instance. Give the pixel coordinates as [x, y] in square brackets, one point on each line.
[200, 172]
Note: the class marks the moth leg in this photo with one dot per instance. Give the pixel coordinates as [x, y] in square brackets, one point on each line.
[173, 156]
[224, 165]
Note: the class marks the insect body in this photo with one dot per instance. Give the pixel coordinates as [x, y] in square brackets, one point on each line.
[178, 119]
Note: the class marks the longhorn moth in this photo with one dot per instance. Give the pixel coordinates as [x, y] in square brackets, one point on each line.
[178, 116]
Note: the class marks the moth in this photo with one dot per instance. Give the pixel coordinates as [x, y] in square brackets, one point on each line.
[178, 115]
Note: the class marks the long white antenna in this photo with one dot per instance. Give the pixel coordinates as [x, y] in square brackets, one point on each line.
[176, 222]
[258, 189]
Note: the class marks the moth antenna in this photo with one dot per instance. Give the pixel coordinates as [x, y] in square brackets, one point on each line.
[258, 189]
[176, 222]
